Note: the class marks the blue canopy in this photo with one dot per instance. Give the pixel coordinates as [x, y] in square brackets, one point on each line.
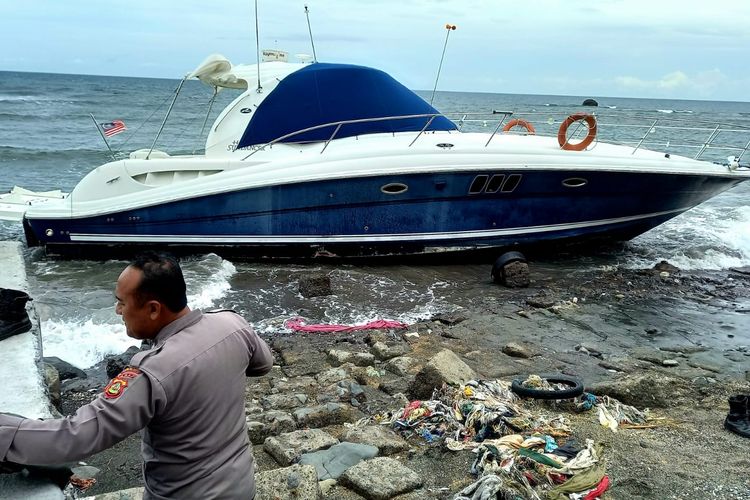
[326, 93]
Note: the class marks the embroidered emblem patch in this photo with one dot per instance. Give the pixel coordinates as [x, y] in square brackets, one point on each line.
[118, 384]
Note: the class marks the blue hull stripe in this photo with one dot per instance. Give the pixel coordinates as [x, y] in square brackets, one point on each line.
[455, 235]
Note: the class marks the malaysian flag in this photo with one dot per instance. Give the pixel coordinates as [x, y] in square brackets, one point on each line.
[114, 127]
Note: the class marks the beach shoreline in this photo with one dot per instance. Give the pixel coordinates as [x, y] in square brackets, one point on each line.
[617, 330]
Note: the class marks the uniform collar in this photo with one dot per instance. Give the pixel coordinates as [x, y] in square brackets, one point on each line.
[177, 325]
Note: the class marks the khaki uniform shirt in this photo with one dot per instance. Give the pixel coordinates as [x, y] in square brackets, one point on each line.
[187, 391]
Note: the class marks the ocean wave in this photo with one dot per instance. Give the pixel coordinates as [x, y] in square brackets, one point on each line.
[705, 238]
[211, 275]
[84, 343]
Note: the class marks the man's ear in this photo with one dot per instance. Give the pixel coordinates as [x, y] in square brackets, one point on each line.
[154, 309]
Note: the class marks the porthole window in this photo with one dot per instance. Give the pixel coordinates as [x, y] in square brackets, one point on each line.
[478, 184]
[575, 182]
[394, 188]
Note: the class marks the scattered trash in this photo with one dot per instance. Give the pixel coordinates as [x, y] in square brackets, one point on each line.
[81, 483]
[520, 452]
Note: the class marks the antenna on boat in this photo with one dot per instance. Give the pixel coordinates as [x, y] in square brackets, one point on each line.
[166, 117]
[449, 27]
[257, 46]
[208, 113]
[312, 42]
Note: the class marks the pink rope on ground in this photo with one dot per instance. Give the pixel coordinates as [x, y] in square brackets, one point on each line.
[298, 325]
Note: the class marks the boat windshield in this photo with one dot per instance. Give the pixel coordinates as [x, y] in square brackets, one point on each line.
[329, 93]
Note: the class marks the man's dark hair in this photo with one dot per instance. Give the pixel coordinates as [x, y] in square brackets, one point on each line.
[162, 280]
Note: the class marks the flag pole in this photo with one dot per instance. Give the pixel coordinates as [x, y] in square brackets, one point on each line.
[104, 138]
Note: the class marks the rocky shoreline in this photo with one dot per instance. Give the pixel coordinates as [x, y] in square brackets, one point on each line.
[615, 330]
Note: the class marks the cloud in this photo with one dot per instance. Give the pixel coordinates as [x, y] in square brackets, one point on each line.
[701, 84]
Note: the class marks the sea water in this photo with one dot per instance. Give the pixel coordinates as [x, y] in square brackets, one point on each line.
[48, 140]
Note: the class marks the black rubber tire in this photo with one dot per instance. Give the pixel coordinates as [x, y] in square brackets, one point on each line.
[574, 391]
[502, 261]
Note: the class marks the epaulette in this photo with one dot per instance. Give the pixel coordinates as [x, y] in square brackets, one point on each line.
[221, 311]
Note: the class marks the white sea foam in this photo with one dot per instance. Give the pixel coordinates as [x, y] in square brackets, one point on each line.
[85, 343]
[706, 238]
[216, 286]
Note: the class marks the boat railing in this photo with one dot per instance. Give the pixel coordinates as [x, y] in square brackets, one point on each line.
[690, 137]
[285, 138]
[685, 137]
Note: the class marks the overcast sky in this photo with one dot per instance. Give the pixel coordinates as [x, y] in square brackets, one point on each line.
[681, 49]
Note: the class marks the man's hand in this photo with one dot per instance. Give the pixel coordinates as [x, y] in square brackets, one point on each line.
[10, 467]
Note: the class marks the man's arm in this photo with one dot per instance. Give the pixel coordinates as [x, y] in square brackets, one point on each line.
[261, 359]
[126, 406]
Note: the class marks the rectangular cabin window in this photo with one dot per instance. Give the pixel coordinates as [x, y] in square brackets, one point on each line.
[478, 184]
[495, 183]
[511, 183]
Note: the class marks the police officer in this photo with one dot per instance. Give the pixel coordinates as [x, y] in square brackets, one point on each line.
[187, 391]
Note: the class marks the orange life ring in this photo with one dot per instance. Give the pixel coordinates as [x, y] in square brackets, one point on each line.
[519, 123]
[562, 134]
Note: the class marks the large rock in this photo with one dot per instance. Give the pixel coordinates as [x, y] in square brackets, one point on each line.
[287, 448]
[514, 275]
[283, 401]
[443, 368]
[117, 363]
[384, 351]
[334, 461]
[344, 390]
[52, 379]
[298, 482]
[65, 369]
[294, 384]
[322, 415]
[515, 350]
[381, 478]
[647, 391]
[451, 318]
[665, 266]
[315, 285]
[385, 440]
[334, 375]
[338, 357]
[311, 363]
[270, 423]
[400, 365]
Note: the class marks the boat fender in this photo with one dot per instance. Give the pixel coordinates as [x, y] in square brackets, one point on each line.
[516, 122]
[562, 134]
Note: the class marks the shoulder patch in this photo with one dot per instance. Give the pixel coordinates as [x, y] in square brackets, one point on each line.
[117, 385]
